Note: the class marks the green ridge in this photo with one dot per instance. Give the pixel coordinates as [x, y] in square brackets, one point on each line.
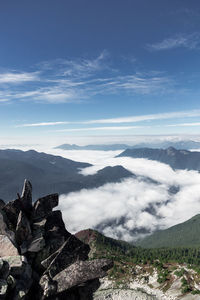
[186, 234]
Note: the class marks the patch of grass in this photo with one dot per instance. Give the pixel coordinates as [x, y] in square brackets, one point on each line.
[180, 273]
[185, 286]
[163, 276]
[195, 292]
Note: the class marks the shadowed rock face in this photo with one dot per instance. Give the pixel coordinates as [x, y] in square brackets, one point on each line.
[39, 258]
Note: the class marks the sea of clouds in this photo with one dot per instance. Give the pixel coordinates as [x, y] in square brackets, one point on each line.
[136, 206]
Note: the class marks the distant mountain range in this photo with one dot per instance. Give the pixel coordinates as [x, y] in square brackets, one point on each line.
[49, 174]
[186, 234]
[177, 159]
[94, 147]
[164, 145]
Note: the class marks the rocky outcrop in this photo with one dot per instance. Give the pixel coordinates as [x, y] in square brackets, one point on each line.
[39, 258]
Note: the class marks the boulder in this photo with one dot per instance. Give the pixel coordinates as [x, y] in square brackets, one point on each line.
[46, 262]
[12, 210]
[71, 251]
[16, 263]
[55, 232]
[2, 203]
[3, 223]
[48, 286]
[36, 245]
[11, 281]
[81, 272]
[3, 288]
[7, 248]
[5, 269]
[54, 264]
[43, 206]
[1, 264]
[4, 227]
[38, 228]
[23, 229]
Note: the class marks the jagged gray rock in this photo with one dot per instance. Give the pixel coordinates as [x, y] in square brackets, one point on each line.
[80, 272]
[11, 281]
[16, 264]
[38, 228]
[39, 258]
[4, 228]
[3, 288]
[5, 270]
[12, 210]
[2, 203]
[36, 245]
[1, 264]
[71, 251]
[26, 197]
[48, 286]
[6, 247]
[43, 206]
[23, 229]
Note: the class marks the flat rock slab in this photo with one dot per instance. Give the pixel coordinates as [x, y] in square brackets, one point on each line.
[6, 247]
[80, 272]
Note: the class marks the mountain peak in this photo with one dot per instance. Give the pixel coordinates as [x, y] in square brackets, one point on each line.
[177, 159]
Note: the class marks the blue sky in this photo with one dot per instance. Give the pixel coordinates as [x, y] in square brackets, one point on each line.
[98, 68]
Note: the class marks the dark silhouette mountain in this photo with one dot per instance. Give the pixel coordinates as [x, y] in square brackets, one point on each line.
[177, 159]
[186, 234]
[49, 173]
[164, 145]
[181, 145]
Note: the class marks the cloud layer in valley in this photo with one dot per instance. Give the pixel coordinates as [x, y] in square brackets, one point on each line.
[135, 206]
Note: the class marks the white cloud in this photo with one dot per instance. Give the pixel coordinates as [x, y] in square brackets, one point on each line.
[109, 204]
[76, 68]
[65, 81]
[121, 208]
[161, 116]
[99, 128]
[15, 77]
[190, 41]
[130, 119]
[184, 124]
[51, 94]
[43, 124]
[127, 205]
